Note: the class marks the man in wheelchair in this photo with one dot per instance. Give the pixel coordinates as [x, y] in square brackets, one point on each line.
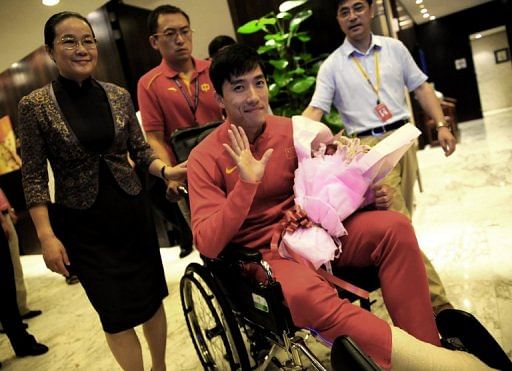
[241, 184]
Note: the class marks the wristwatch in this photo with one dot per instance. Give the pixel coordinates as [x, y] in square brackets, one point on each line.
[443, 124]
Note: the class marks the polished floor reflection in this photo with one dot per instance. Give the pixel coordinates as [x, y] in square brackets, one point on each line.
[463, 220]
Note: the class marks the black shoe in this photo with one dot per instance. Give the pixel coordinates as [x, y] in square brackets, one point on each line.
[72, 279]
[29, 347]
[462, 331]
[346, 356]
[185, 251]
[31, 314]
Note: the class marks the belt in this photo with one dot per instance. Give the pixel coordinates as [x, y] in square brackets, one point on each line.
[379, 130]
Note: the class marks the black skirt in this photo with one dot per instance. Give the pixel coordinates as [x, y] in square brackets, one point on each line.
[113, 249]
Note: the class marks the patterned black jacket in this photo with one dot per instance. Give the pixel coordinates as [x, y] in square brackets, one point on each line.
[45, 135]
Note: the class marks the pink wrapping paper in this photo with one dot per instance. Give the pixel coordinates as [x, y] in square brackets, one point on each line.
[329, 189]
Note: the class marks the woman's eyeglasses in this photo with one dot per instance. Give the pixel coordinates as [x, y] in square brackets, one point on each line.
[72, 43]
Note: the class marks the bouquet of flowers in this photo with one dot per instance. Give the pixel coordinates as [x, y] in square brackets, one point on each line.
[332, 181]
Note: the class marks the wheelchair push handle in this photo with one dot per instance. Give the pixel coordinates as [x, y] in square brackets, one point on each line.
[183, 191]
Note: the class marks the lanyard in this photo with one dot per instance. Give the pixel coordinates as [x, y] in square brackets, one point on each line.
[191, 105]
[367, 77]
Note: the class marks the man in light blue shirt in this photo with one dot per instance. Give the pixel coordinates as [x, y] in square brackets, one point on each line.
[341, 83]
[365, 79]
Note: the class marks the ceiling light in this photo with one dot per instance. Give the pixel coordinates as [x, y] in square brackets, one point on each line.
[477, 36]
[50, 2]
[432, 17]
[426, 15]
[419, 1]
[422, 6]
[424, 10]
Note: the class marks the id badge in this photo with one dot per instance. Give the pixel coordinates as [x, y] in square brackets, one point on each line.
[383, 112]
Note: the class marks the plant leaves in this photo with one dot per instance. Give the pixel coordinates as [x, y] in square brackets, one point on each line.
[273, 90]
[266, 48]
[302, 85]
[299, 18]
[284, 15]
[299, 71]
[288, 5]
[250, 27]
[276, 36]
[256, 25]
[281, 79]
[280, 64]
[303, 37]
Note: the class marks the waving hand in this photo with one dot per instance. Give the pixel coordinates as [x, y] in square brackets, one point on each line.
[250, 169]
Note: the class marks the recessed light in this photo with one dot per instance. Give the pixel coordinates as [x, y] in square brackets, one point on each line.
[419, 1]
[50, 2]
[422, 6]
[424, 10]
[432, 17]
[426, 15]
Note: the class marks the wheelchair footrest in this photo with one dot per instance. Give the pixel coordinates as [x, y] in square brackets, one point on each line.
[347, 356]
[462, 331]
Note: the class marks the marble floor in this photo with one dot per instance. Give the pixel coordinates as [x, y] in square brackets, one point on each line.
[463, 219]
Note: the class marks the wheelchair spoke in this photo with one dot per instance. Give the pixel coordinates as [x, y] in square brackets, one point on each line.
[212, 330]
[212, 326]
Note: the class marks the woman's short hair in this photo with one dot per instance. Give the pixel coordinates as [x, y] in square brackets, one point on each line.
[54, 20]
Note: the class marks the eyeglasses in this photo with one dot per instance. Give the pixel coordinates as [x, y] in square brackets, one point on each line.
[358, 9]
[72, 43]
[172, 34]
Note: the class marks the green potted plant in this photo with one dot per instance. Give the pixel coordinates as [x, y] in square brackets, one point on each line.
[291, 70]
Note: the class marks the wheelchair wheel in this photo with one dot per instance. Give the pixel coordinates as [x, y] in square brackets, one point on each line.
[211, 323]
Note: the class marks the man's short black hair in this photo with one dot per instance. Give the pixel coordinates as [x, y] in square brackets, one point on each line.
[163, 9]
[342, 1]
[218, 43]
[231, 62]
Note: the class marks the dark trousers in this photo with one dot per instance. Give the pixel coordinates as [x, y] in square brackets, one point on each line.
[170, 212]
[9, 313]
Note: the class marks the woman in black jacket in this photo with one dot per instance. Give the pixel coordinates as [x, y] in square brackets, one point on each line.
[101, 222]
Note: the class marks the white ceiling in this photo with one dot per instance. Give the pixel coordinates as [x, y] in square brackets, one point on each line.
[22, 21]
[438, 8]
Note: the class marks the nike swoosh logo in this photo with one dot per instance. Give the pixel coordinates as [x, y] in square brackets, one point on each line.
[229, 170]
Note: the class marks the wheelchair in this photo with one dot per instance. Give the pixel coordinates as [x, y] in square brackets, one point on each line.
[237, 323]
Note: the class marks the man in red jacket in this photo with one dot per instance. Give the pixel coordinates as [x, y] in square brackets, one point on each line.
[241, 183]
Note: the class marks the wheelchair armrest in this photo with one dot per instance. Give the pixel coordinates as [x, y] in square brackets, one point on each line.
[241, 253]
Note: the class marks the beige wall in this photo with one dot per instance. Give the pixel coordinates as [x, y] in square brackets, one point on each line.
[208, 19]
[494, 80]
[22, 23]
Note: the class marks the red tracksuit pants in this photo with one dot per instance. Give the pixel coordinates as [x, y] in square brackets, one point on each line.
[384, 239]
